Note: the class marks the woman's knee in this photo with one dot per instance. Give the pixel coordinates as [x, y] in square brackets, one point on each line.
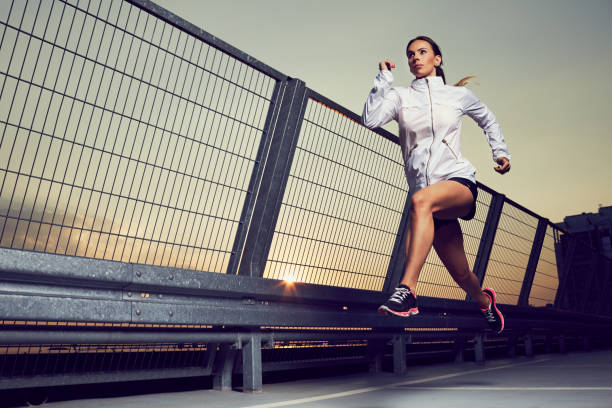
[462, 276]
[420, 203]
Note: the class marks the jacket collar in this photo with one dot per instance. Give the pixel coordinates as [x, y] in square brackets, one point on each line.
[434, 82]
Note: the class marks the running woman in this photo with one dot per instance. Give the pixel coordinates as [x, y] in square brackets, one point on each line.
[442, 183]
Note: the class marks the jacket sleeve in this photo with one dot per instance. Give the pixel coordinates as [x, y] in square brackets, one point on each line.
[478, 111]
[382, 104]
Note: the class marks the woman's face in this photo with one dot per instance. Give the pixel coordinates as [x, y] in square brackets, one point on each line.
[422, 60]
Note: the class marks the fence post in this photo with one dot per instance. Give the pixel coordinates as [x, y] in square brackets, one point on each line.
[532, 264]
[256, 176]
[488, 237]
[564, 272]
[592, 280]
[268, 184]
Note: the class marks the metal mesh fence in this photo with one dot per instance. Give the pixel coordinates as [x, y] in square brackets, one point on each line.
[342, 206]
[510, 253]
[434, 280]
[49, 359]
[121, 136]
[313, 351]
[61, 324]
[546, 278]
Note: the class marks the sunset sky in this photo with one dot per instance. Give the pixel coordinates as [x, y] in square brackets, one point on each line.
[542, 67]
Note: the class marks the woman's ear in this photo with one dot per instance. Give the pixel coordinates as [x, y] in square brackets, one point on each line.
[437, 60]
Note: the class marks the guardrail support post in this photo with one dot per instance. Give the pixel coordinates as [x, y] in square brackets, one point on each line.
[586, 343]
[479, 351]
[251, 365]
[224, 367]
[211, 355]
[458, 349]
[376, 348]
[399, 353]
[528, 340]
[548, 343]
[562, 344]
[512, 339]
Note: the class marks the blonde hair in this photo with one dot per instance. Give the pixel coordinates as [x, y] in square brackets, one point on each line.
[466, 80]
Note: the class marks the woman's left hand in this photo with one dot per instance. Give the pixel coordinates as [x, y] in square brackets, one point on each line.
[504, 165]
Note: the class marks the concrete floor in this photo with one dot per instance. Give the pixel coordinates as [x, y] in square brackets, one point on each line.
[577, 379]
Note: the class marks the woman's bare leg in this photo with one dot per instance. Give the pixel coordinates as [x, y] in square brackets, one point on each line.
[448, 243]
[408, 234]
[445, 199]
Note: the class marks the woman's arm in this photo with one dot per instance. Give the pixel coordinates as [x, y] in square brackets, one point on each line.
[478, 111]
[383, 102]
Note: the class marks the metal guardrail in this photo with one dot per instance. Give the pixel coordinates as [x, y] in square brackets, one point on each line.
[186, 180]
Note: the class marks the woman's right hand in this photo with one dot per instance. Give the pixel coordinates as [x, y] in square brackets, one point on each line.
[386, 65]
[504, 165]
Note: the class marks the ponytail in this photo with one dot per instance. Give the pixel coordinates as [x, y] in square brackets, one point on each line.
[466, 80]
[440, 72]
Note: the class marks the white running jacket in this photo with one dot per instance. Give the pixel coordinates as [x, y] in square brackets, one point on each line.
[429, 117]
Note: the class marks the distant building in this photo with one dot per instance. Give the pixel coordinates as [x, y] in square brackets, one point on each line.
[584, 254]
[594, 228]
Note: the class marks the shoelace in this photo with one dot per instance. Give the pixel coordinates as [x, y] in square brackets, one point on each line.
[400, 295]
[489, 315]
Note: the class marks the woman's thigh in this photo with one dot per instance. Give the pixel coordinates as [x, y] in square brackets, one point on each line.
[447, 199]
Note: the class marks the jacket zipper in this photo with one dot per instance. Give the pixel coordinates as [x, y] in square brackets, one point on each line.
[433, 135]
[451, 149]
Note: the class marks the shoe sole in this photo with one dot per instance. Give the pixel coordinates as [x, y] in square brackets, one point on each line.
[492, 294]
[384, 310]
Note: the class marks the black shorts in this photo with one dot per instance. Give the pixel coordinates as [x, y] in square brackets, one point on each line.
[474, 189]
